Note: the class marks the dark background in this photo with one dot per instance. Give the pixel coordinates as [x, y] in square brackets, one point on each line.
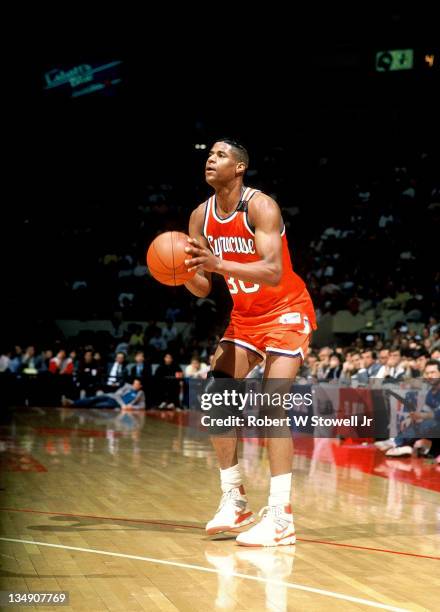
[304, 87]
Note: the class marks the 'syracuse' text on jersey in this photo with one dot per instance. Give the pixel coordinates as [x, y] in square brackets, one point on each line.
[232, 238]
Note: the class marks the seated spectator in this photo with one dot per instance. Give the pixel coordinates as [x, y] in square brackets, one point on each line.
[409, 362]
[43, 361]
[61, 374]
[427, 344]
[310, 365]
[335, 367]
[29, 361]
[168, 379]
[196, 369]
[370, 362]
[324, 361]
[116, 373]
[425, 423]
[393, 371]
[98, 359]
[61, 364]
[88, 374]
[384, 355]
[128, 396]
[5, 360]
[436, 341]
[140, 369]
[434, 325]
[351, 368]
[435, 354]
[74, 357]
[136, 341]
[421, 359]
[15, 359]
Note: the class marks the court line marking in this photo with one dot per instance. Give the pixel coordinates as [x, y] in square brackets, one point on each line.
[201, 568]
[169, 524]
[370, 549]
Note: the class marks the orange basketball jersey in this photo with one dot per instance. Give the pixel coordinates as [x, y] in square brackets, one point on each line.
[233, 239]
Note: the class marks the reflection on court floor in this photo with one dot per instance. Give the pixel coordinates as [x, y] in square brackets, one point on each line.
[118, 503]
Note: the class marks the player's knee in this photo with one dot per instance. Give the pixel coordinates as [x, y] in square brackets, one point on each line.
[216, 402]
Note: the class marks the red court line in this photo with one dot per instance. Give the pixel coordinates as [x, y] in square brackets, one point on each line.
[369, 548]
[166, 524]
[106, 518]
[20, 461]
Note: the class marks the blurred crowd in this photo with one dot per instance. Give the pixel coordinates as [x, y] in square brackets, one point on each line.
[359, 238]
[159, 358]
[151, 368]
[98, 362]
[402, 357]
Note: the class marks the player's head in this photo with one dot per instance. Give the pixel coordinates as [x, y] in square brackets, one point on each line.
[227, 161]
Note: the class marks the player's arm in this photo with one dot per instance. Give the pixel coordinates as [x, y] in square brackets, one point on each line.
[265, 216]
[200, 284]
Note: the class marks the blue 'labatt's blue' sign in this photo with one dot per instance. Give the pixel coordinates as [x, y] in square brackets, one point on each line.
[84, 79]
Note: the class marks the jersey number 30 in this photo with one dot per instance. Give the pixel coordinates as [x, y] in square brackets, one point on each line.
[233, 288]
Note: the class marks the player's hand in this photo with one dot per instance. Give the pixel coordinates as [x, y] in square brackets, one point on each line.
[202, 257]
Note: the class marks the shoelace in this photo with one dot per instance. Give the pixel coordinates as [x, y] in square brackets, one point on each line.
[264, 512]
[226, 497]
[274, 512]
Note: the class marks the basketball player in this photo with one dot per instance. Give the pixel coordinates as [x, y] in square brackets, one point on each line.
[239, 233]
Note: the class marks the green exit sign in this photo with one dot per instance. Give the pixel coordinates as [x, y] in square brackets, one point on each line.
[396, 59]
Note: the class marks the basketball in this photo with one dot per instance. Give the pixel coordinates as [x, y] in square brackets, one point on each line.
[166, 258]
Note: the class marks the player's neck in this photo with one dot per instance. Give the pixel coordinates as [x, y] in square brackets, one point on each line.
[228, 196]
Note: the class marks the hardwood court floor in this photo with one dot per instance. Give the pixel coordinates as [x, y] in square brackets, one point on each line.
[112, 507]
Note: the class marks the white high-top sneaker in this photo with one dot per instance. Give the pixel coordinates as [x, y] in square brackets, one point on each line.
[232, 514]
[276, 528]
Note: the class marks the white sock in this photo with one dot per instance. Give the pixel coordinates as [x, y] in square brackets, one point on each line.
[230, 478]
[280, 489]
